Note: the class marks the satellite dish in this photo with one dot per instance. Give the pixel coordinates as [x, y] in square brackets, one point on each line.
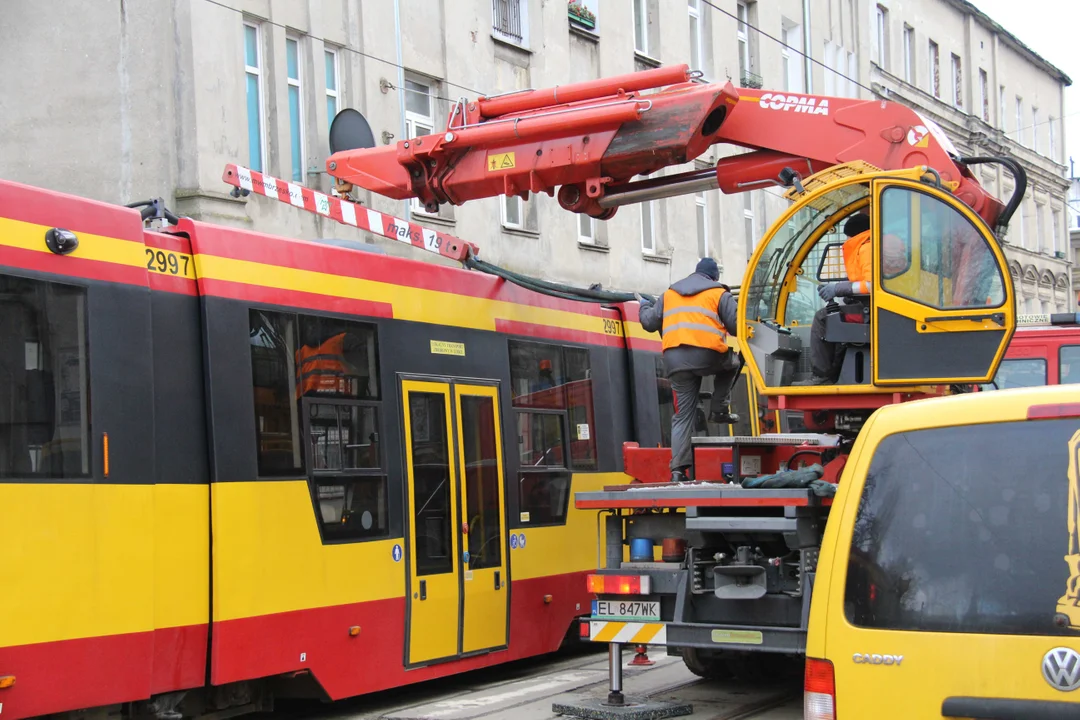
[350, 131]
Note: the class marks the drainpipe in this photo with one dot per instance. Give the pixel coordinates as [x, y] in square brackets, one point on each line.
[808, 67]
[401, 86]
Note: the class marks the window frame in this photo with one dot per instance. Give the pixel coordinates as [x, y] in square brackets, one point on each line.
[256, 71]
[296, 132]
[750, 213]
[957, 81]
[1019, 119]
[331, 62]
[1060, 359]
[589, 239]
[742, 35]
[89, 459]
[909, 54]
[934, 52]
[1001, 107]
[504, 204]
[693, 10]
[701, 209]
[523, 19]
[984, 92]
[881, 32]
[1035, 128]
[648, 207]
[639, 11]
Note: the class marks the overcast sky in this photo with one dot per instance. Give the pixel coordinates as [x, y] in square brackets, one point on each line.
[1052, 29]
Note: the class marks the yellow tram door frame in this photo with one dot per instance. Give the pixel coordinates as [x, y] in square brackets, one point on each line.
[483, 532]
[434, 595]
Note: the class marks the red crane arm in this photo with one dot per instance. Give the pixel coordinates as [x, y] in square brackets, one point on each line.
[590, 140]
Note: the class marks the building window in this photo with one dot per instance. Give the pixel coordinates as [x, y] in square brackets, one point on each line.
[957, 82]
[419, 118]
[1056, 217]
[641, 26]
[510, 21]
[513, 212]
[586, 229]
[749, 223]
[648, 227]
[296, 102]
[253, 74]
[697, 55]
[935, 70]
[984, 95]
[1053, 139]
[701, 205]
[1035, 129]
[551, 389]
[583, 12]
[332, 92]
[1040, 236]
[743, 40]
[1001, 107]
[1019, 117]
[44, 380]
[909, 54]
[881, 28]
[793, 39]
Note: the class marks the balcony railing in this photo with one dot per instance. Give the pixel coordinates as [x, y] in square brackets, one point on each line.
[750, 80]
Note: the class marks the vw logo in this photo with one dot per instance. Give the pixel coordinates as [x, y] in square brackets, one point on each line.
[1061, 668]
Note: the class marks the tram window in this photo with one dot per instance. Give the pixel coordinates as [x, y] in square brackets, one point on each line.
[544, 497]
[44, 380]
[540, 439]
[352, 508]
[666, 399]
[1017, 373]
[956, 267]
[431, 483]
[555, 378]
[337, 358]
[343, 437]
[277, 415]
[579, 400]
[1069, 364]
[483, 512]
[536, 375]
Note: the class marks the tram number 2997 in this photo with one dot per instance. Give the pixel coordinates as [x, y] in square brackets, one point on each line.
[168, 263]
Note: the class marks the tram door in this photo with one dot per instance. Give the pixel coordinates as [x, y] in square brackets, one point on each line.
[458, 598]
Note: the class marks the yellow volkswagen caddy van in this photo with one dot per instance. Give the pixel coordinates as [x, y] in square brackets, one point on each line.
[949, 576]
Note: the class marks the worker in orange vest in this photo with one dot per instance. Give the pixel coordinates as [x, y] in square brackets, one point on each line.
[694, 318]
[858, 266]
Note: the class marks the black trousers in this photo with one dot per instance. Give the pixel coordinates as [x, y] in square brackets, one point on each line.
[825, 356]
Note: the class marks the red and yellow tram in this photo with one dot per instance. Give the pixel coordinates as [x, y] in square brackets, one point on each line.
[234, 465]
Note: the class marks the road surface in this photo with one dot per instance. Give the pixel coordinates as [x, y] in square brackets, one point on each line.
[525, 690]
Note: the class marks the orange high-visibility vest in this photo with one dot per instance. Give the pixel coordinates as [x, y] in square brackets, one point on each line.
[321, 369]
[694, 320]
[858, 260]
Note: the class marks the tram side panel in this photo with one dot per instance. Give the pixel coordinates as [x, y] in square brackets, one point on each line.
[89, 618]
[314, 535]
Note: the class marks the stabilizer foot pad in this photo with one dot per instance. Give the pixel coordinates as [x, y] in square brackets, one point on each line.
[632, 710]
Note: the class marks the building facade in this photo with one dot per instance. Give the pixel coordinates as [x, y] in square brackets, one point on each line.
[148, 103]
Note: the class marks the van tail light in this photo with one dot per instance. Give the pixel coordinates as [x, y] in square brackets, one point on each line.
[618, 584]
[819, 691]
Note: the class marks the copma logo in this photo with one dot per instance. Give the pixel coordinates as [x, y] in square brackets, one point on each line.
[1061, 668]
[796, 103]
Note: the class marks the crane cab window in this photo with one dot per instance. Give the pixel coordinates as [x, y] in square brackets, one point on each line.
[551, 388]
[44, 380]
[934, 255]
[1017, 373]
[1069, 364]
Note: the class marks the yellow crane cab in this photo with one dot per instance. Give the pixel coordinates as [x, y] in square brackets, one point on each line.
[939, 315]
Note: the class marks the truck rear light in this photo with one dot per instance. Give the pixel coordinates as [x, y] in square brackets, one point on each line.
[583, 629]
[1053, 410]
[618, 584]
[819, 691]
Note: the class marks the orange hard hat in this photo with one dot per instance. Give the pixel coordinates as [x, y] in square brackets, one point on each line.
[545, 364]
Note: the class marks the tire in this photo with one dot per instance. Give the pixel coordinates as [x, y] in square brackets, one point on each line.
[705, 664]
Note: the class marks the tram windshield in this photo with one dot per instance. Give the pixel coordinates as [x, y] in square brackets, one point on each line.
[763, 294]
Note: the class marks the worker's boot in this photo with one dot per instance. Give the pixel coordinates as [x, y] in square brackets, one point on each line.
[680, 475]
[724, 418]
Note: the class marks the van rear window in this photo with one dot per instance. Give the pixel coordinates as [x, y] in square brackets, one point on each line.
[970, 529]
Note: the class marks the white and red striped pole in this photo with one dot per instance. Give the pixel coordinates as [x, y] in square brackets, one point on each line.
[348, 213]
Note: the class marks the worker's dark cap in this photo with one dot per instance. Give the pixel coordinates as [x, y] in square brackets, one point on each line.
[856, 224]
[708, 268]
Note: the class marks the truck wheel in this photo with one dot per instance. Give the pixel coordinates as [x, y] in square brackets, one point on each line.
[705, 664]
